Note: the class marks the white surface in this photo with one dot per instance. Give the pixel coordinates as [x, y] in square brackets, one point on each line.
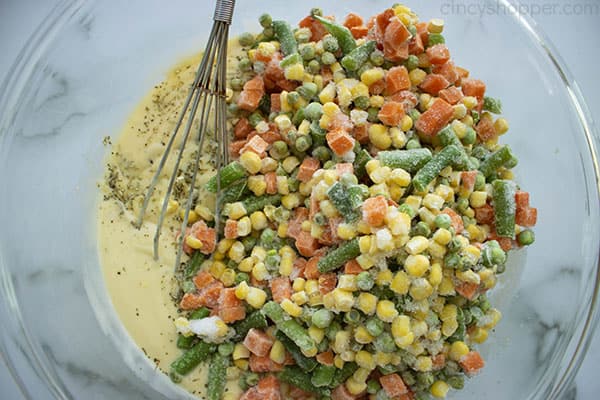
[574, 32]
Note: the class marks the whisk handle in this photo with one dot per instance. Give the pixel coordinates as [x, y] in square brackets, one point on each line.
[224, 11]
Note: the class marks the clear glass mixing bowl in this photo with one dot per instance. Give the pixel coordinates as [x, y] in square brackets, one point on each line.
[90, 62]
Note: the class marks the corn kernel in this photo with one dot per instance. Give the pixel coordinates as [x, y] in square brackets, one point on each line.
[256, 297]
[379, 136]
[470, 102]
[240, 351]
[406, 124]
[372, 165]
[354, 387]
[435, 274]
[290, 201]
[235, 210]
[241, 290]
[416, 265]
[380, 175]
[376, 101]
[371, 76]
[479, 335]
[417, 245]
[365, 360]
[439, 389]
[346, 231]
[491, 319]
[459, 111]
[478, 199]
[316, 334]
[341, 342]
[362, 335]
[291, 308]
[257, 184]
[400, 177]
[311, 287]
[236, 252]
[365, 261]
[449, 327]
[216, 269]
[294, 72]
[344, 300]
[401, 283]
[501, 126]
[424, 364]
[347, 282]
[338, 362]
[384, 277]
[382, 359]
[300, 298]
[458, 350]
[244, 227]
[417, 76]
[250, 161]
[298, 284]
[228, 277]
[193, 242]
[386, 310]
[277, 353]
[446, 287]
[400, 226]
[420, 289]
[367, 303]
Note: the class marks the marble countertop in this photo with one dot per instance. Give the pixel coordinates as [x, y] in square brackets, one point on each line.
[18, 18]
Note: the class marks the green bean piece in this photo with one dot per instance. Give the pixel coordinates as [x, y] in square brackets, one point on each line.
[200, 313]
[298, 117]
[306, 363]
[492, 105]
[409, 160]
[193, 265]
[185, 342]
[334, 259]
[293, 58]
[360, 162]
[234, 192]
[217, 377]
[292, 329]
[447, 156]
[228, 175]
[526, 238]
[342, 375]
[504, 207]
[287, 40]
[299, 378]
[274, 312]
[346, 199]
[448, 137]
[253, 203]
[255, 320]
[192, 357]
[323, 375]
[357, 57]
[341, 33]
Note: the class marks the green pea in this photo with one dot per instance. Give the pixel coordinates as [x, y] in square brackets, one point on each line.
[377, 58]
[526, 238]
[316, 11]
[329, 164]
[293, 97]
[245, 65]
[412, 62]
[373, 386]
[384, 343]
[303, 143]
[225, 349]
[321, 153]
[255, 118]
[511, 163]
[314, 67]
[365, 281]
[405, 208]
[303, 35]
[374, 326]
[252, 378]
[362, 102]
[414, 114]
[246, 39]
[236, 84]
[456, 382]
[249, 242]
[470, 136]
[373, 114]
[330, 44]
[412, 29]
[265, 20]
[479, 182]
[421, 229]
[413, 144]
[241, 277]
[436, 38]
[453, 260]
[313, 111]
[462, 204]
[322, 318]
[307, 52]
[328, 58]
[308, 90]
[279, 150]
[443, 221]
[492, 105]
[352, 317]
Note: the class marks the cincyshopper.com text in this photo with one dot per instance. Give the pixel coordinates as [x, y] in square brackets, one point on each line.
[474, 8]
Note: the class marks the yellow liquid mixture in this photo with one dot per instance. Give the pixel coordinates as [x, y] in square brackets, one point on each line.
[140, 287]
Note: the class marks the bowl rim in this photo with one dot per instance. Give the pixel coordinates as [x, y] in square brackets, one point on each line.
[23, 67]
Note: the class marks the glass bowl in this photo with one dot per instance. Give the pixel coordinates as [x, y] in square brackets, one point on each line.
[87, 66]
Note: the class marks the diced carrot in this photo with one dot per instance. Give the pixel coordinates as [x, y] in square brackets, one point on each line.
[344, 168]
[306, 244]
[203, 279]
[263, 364]
[361, 133]
[438, 361]
[269, 387]
[393, 385]
[208, 236]
[438, 54]
[395, 42]
[462, 72]
[435, 118]
[433, 83]
[377, 87]
[295, 224]
[505, 243]
[484, 215]
[286, 85]
[258, 342]
[235, 147]
[415, 45]
[407, 98]
[298, 268]
[423, 60]
[522, 199]
[342, 393]
[242, 129]
[281, 288]
[339, 141]
[485, 129]
[317, 29]
[297, 393]
[374, 210]
[423, 32]
[352, 20]
[190, 301]
[397, 80]
[382, 21]
[451, 95]
[473, 87]
[467, 180]
[526, 217]
[456, 220]
[228, 299]
[271, 181]
[232, 314]
[307, 169]
[327, 236]
[471, 363]
[231, 229]
[333, 224]
[270, 137]
[251, 94]
[341, 121]
[352, 267]
[209, 296]
[257, 145]
[311, 270]
[391, 113]
[359, 32]
[467, 290]
[326, 357]
[257, 283]
[447, 70]
[275, 102]
[327, 282]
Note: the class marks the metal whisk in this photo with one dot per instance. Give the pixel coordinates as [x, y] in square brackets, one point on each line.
[206, 95]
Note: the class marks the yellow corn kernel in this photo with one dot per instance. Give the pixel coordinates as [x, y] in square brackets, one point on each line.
[468, 120]
[448, 312]
[316, 334]
[250, 161]
[246, 264]
[400, 283]
[328, 209]
[435, 274]
[291, 308]
[501, 126]
[367, 303]
[298, 284]
[376, 101]
[472, 253]
[228, 277]
[277, 353]
[382, 359]
[433, 201]
[449, 327]
[479, 335]
[300, 298]
[244, 227]
[311, 287]
[306, 226]
[330, 108]
[294, 72]
[282, 185]
[236, 210]
[470, 102]
[414, 201]
[439, 389]
[224, 245]
[417, 245]
[459, 111]
[216, 269]
[338, 362]
[380, 175]
[491, 319]
[286, 266]
[257, 184]
[379, 190]
[417, 76]
[365, 360]
[259, 271]
[401, 326]
[240, 351]
[341, 342]
[420, 289]
[346, 231]
[384, 277]
[416, 265]
[446, 287]
[236, 252]
[476, 234]
[365, 261]
[241, 290]
[424, 364]
[442, 236]
[290, 163]
[406, 124]
[400, 226]
[386, 310]
[329, 301]
[458, 350]
[173, 206]
[290, 201]
[372, 165]
[400, 177]
[256, 297]
[364, 244]
[478, 199]
[344, 300]
[379, 136]
[347, 282]
[362, 335]
[193, 242]
[371, 76]
[354, 387]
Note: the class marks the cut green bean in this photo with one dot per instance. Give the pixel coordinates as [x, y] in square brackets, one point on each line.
[287, 40]
[340, 32]
[185, 342]
[228, 175]
[191, 358]
[346, 199]
[448, 137]
[274, 312]
[447, 156]
[497, 159]
[409, 160]
[193, 265]
[217, 377]
[360, 162]
[323, 375]
[342, 375]
[306, 363]
[357, 57]
[234, 192]
[292, 59]
[300, 379]
[255, 320]
[200, 313]
[292, 329]
[504, 207]
[338, 257]
[492, 105]
[253, 203]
